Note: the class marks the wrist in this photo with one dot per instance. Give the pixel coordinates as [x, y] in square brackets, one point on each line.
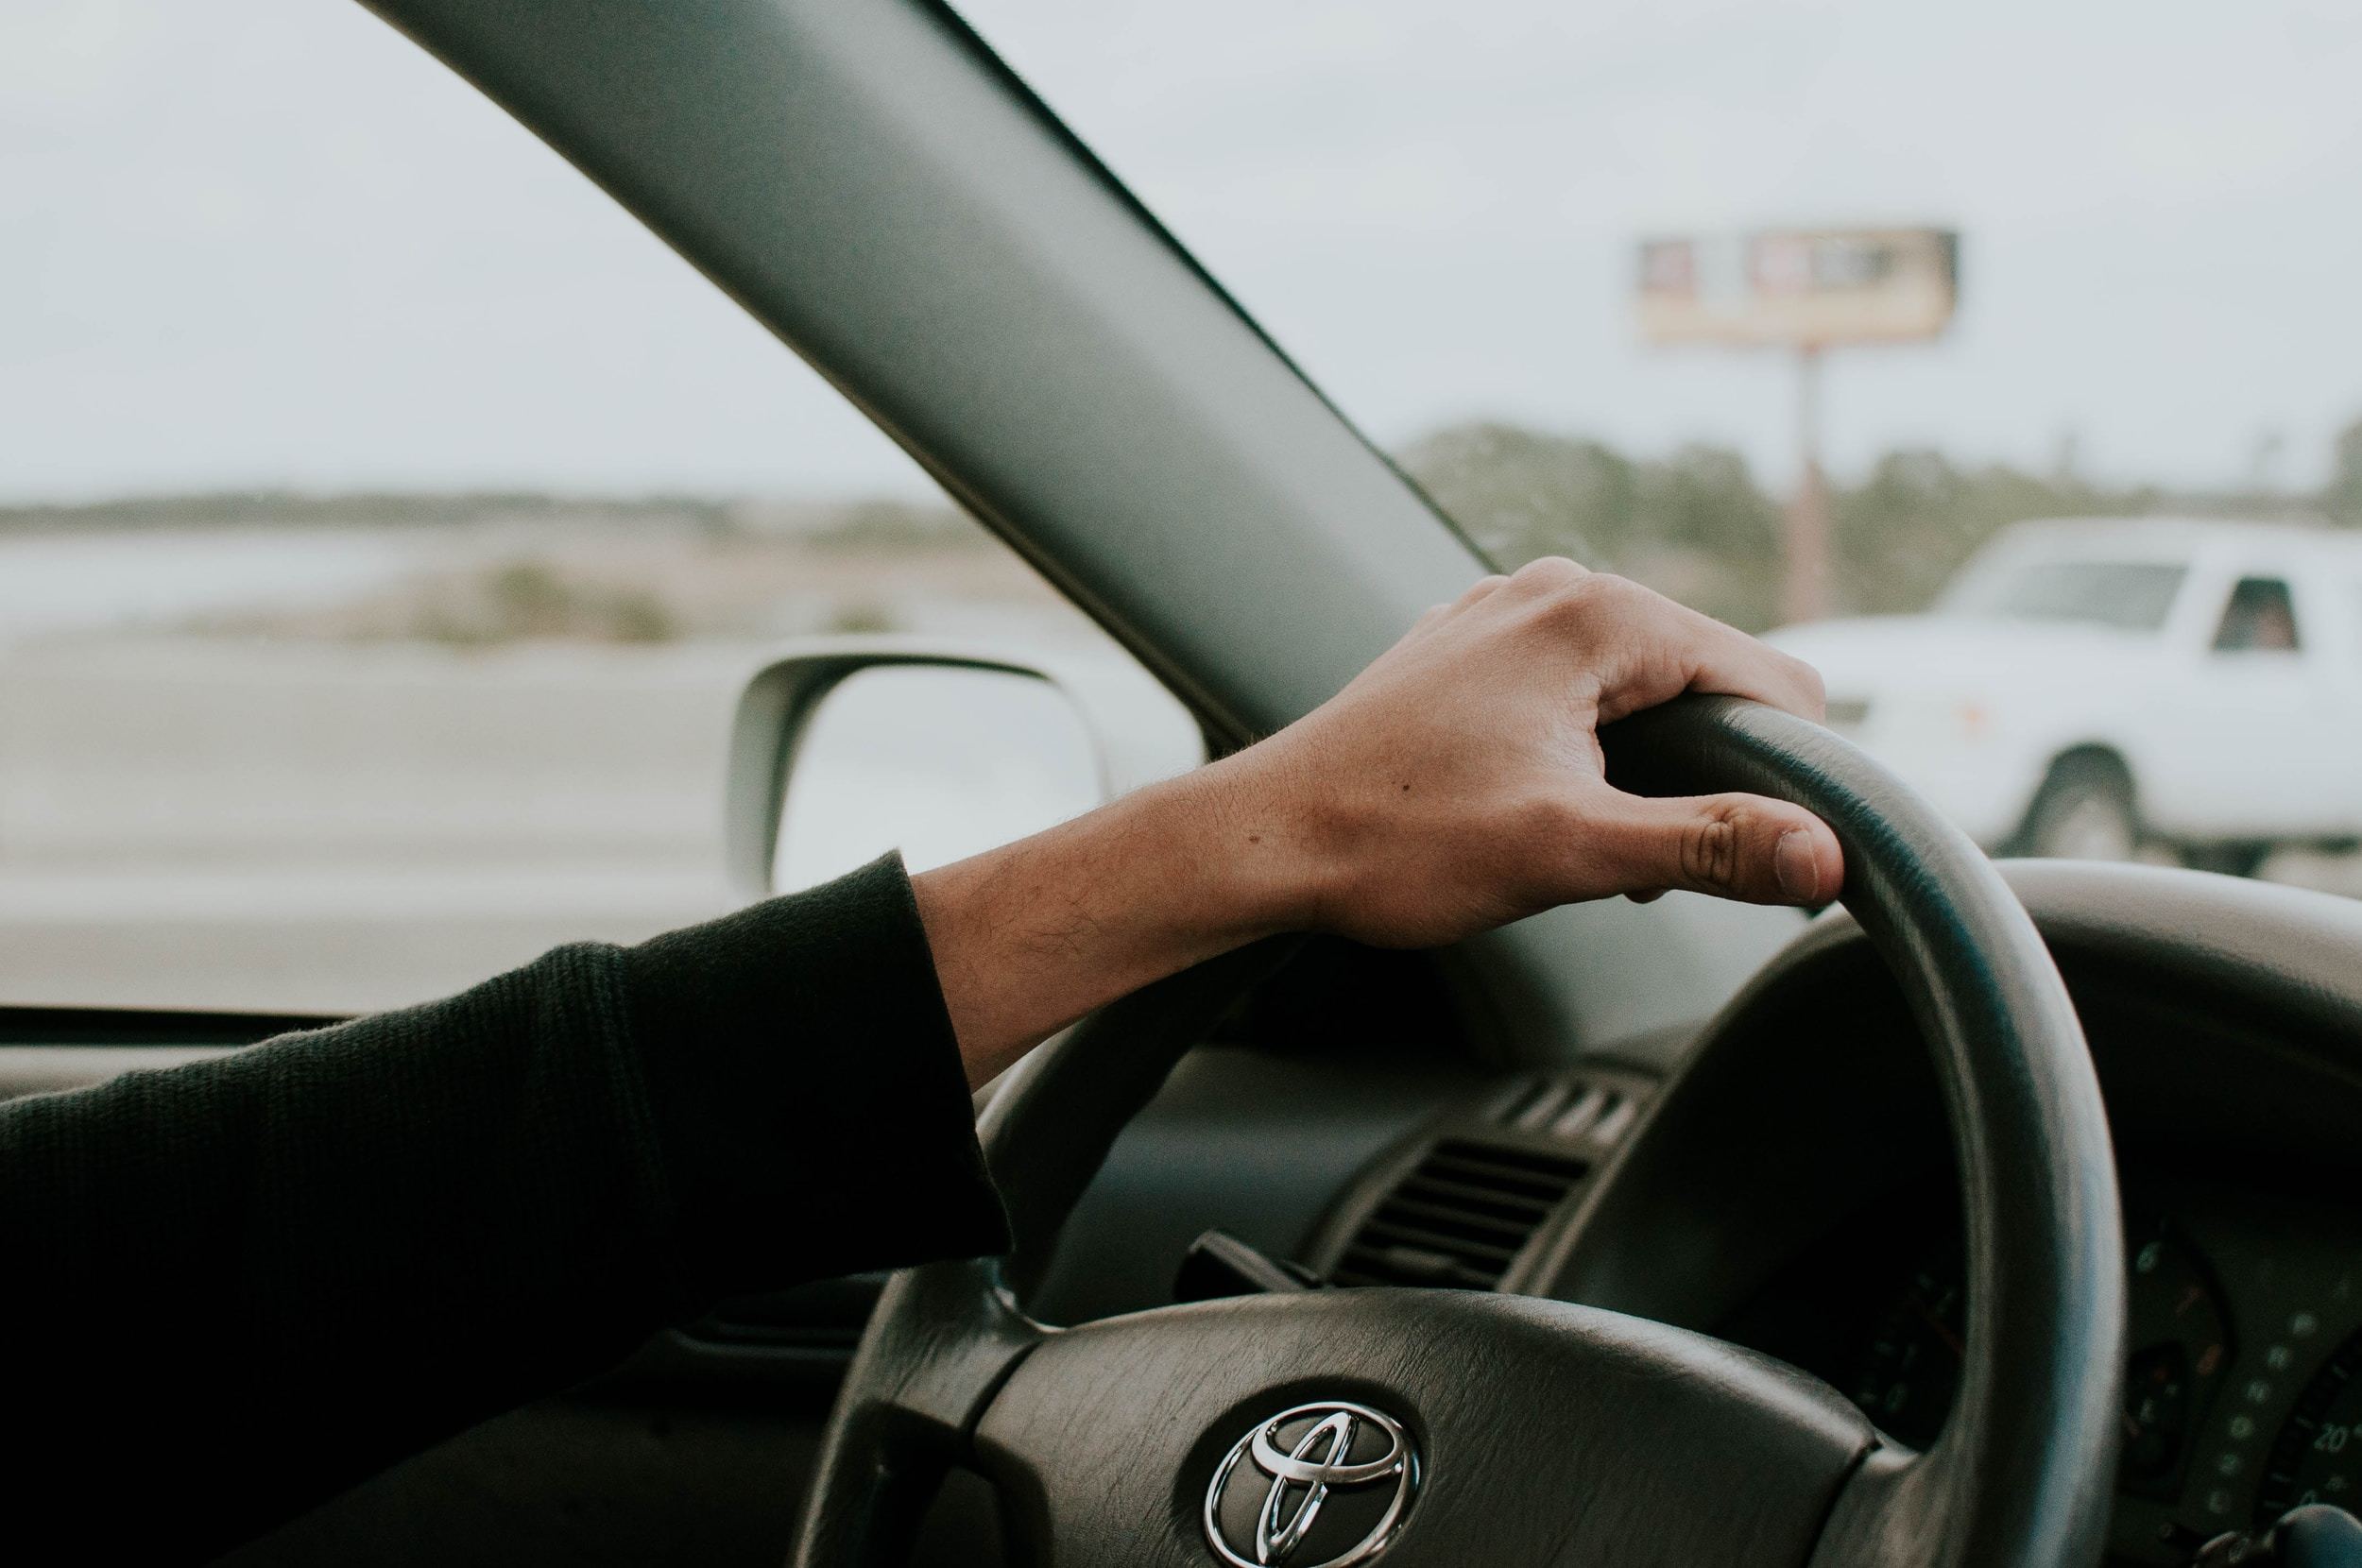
[1030, 936]
[1261, 846]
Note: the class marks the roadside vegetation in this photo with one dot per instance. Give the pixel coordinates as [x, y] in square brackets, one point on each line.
[1699, 525]
[1696, 523]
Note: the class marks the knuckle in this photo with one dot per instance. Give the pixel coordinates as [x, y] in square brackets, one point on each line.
[1543, 834]
[1477, 593]
[1543, 820]
[1638, 600]
[1595, 598]
[1549, 574]
[1606, 611]
[1604, 592]
[1709, 851]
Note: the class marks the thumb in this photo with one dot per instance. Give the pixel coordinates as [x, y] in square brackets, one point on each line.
[1732, 845]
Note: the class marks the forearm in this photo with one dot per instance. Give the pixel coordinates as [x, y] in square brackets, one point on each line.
[1033, 935]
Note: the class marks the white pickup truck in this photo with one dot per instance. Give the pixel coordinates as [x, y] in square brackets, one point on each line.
[2087, 688]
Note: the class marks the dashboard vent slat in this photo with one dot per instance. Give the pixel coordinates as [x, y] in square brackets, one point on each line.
[1475, 1198]
[1469, 1249]
[1576, 1107]
[1470, 1218]
[1507, 1180]
[1460, 1218]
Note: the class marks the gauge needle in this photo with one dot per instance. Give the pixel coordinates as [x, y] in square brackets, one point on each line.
[1944, 1330]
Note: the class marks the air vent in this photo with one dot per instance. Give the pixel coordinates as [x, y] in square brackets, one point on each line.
[1569, 1110]
[1459, 1219]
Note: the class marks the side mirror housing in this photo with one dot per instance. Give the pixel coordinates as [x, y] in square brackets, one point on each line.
[846, 747]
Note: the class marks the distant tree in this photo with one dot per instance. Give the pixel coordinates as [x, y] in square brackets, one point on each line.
[1694, 525]
[294, 509]
[2343, 500]
[1905, 529]
[1521, 494]
[1903, 532]
[1705, 533]
[899, 525]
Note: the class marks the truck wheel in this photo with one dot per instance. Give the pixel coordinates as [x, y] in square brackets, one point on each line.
[2231, 860]
[2083, 811]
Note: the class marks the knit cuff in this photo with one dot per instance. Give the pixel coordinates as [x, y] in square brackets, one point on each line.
[811, 1106]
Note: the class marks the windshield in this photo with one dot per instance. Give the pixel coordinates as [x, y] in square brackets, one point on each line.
[387, 523]
[388, 526]
[2133, 596]
[1790, 308]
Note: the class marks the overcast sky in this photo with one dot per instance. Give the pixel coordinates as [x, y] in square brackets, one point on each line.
[266, 242]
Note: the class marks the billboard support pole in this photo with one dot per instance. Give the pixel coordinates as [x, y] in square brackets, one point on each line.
[1808, 291]
[1804, 589]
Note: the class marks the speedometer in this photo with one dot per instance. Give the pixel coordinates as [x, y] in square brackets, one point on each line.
[1912, 1368]
[2316, 1458]
[2177, 1342]
[2179, 1347]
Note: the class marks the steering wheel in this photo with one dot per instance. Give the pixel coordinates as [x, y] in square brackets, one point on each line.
[1318, 1429]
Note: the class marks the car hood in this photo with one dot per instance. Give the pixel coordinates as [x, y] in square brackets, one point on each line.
[1955, 653]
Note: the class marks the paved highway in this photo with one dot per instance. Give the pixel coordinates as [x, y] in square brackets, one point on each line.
[331, 827]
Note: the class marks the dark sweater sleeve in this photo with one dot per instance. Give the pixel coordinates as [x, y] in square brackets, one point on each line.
[237, 1288]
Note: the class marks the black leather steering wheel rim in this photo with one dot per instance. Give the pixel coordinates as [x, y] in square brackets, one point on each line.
[2023, 1469]
[2020, 1477]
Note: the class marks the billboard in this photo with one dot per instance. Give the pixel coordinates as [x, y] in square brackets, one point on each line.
[1800, 288]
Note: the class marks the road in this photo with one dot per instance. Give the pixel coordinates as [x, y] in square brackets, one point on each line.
[332, 827]
[335, 828]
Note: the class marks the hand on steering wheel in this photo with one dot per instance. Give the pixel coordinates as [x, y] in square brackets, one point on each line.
[1455, 785]
[1459, 782]
[1544, 1431]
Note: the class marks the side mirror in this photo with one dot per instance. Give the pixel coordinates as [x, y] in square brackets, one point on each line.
[849, 747]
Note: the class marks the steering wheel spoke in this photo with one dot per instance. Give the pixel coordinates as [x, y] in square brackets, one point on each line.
[941, 1342]
[1887, 1511]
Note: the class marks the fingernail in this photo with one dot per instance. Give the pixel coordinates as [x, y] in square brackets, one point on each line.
[1796, 866]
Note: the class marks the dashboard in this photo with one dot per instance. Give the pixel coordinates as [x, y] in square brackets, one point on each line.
[1784, 1181]
[2241, 1394]
[2243, 1379]
[1780, 1181]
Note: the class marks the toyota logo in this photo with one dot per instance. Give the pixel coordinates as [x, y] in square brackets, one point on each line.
[1321, 1486]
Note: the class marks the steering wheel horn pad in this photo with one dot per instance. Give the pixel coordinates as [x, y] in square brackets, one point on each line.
[1546, 1432]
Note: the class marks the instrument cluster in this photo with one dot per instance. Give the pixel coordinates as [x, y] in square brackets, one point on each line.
[2243, 1374]
[2275, 1432]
